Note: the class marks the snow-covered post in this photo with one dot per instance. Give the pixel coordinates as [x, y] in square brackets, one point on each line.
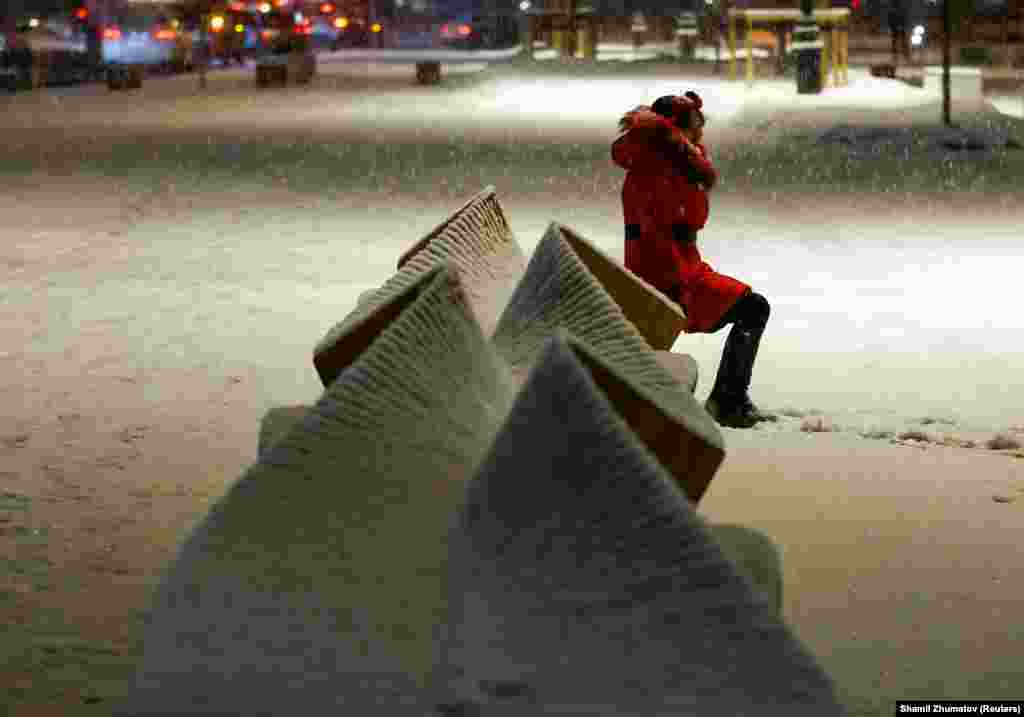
[586, 31]
[637, 29]
[686, 34]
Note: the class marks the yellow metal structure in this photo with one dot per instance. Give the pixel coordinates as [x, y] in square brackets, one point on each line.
[732, 49]
[835, 24]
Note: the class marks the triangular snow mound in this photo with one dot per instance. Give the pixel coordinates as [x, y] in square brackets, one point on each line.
[315, 585]
[277, 423]
[559, 292]
[658, 319]
[682, 367]
[477, 241]
[587, 584]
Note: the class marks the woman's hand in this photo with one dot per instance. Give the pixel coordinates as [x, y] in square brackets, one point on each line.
[677, 138]
[691, 148]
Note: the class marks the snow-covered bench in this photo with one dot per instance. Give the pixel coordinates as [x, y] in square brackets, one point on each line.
[460, 504]
[477, 239]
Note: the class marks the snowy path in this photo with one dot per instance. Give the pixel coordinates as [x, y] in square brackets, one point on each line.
[875, 323]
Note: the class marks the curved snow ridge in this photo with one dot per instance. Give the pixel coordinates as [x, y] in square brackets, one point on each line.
[913, 432]
[1007, 105]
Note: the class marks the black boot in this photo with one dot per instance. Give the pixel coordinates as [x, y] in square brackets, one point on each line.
[729, 404]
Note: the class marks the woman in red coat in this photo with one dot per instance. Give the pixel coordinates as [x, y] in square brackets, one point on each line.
[665, 203]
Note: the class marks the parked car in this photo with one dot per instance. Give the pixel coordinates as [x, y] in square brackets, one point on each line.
[234, 35]
[287, 55]
[137, 36]
[43, 52]
[479, 31]
[14, 62]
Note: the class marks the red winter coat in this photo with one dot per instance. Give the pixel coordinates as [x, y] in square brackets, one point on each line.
[664, 204]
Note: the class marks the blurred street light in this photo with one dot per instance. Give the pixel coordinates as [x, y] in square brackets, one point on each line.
[917, 38]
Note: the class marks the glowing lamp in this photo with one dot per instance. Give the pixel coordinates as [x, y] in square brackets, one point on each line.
[81, 13]
[264, 8]
[464, 30]
[341, 23]
[376, 27]
[216, 23]
[111, 33]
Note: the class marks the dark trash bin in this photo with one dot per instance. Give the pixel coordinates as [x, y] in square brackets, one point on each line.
[808, 70]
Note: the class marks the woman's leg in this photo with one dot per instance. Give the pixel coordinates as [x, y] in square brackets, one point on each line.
[729, 402]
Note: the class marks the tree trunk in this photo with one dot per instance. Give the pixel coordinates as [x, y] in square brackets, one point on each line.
[947, 31]
[204, 48]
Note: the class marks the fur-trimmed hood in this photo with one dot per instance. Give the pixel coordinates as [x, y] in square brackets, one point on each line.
[667, 112]
[643, 117]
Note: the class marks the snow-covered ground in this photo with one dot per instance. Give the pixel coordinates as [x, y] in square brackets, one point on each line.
[169, 258]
